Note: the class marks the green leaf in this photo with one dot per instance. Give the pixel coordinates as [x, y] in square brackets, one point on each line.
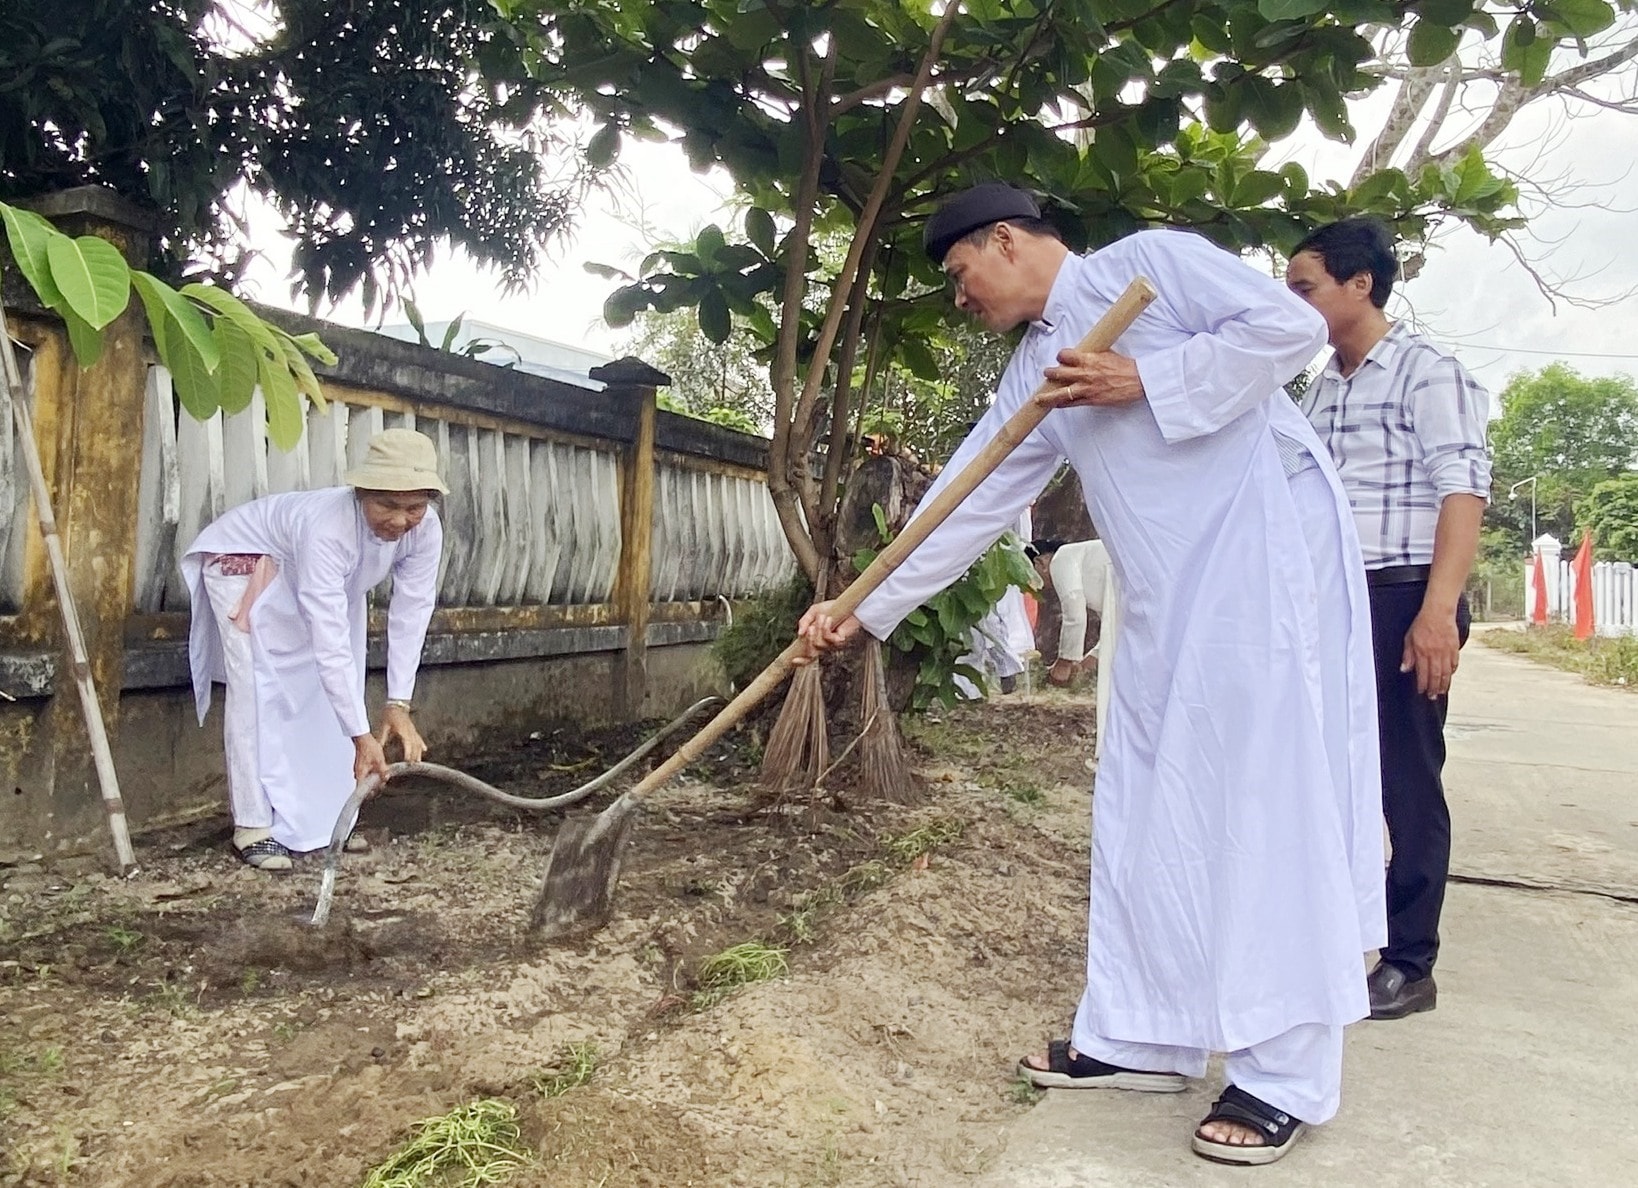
[603, 147]
[1445, 12]
[759, 228]
[236, 375]
[1257, 187]
[28, 235]
[715, 322]
[229, 306]
[1211, 34]
[87, 342]
[1273, 110]
[313, 346]
[1525, 51]
[1581, 17]
[306, 382]
[284, 410]
[198, 390]
[452, 332]
[416, 321]
[918, 359]
[1473, 180]
[1288, 10]
[709, 243]
[880, 517]
[1375, 188]
[169, 311]
[92, 276]
[1431, 43]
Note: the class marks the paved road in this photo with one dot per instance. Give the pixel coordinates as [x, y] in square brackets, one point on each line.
[1527, 1074]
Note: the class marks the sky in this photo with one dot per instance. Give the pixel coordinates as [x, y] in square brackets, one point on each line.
[1472, 295]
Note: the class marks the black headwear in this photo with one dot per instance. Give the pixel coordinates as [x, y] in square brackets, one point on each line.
[971, 209]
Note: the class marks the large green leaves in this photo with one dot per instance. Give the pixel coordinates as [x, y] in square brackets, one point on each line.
[1582, 18]
[1431, 42]
[170, 314]
[215, 347]
[92, 277]
[28, 234]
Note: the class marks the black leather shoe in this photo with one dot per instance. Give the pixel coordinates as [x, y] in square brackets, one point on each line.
[1394, 995]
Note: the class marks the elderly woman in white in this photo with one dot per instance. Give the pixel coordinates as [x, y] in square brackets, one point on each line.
[279, 588]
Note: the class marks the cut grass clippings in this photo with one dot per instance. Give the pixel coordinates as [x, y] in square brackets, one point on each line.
[574, 1068]
[471, 1146]
[1601, 660]
[722, 973]
[907, 847]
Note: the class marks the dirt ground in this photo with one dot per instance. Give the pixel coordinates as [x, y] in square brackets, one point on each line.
[186, 1028]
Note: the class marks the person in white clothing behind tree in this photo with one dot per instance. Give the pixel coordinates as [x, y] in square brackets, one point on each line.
[1237, 838]
[279, 588]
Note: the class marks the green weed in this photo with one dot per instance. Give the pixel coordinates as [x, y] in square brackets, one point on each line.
[125, 940]
[574, 1068]
[1024, 1093]
[743, 964]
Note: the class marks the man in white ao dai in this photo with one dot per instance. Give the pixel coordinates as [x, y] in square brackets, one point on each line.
[1237, 837]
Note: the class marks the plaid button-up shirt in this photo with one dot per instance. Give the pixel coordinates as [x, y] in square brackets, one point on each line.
[1405, 430]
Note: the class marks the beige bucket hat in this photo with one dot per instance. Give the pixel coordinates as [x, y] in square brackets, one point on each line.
[398, 460]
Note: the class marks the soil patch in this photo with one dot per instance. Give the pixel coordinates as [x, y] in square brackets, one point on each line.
[187, 1028]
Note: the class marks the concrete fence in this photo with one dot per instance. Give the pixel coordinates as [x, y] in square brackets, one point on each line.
[591, 543]
[1614, 590]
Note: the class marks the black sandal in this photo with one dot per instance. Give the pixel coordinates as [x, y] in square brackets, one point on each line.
[267, 854]
[1280, 1130]
[1064, 1071]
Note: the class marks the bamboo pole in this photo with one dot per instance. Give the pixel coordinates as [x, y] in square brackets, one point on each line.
[90, 707]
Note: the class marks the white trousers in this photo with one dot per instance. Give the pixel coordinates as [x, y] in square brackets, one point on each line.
[1298, 1071]
[247, 800]
[1080, 577]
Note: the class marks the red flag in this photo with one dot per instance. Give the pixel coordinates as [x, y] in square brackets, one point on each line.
[1538, 605]
[1583, 566]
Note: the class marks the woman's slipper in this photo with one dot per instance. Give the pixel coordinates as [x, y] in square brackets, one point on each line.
[1067, 1070]
[1279, 1131]
[266, 854]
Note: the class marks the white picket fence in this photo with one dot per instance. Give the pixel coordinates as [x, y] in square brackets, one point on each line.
[1614, 590]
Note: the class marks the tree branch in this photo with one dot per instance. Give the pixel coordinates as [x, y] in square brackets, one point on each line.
[1407, 104]
[866, 230]
[805, 199]
[841, 405]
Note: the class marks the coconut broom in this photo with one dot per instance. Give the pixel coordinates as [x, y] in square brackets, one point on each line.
[884, 771]
[799, 745]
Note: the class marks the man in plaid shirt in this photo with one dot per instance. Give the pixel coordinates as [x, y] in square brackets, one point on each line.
[1406, 427]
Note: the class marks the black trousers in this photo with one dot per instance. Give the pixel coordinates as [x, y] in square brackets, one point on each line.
[1412, 730]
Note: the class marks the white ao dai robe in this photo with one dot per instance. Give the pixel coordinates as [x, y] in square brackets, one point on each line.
[307, 636]
[1237, 849]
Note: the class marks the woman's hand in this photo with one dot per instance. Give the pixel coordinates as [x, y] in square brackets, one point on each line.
[397, 723]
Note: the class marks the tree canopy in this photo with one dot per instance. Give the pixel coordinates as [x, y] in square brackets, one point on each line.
[376, 129]
[1610, 512]
[1568, 431]
[851, 119]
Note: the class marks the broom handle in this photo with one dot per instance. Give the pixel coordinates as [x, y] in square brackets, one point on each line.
[1020, 425]
[101, 754]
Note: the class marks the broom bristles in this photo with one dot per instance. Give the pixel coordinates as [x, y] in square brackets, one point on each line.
[799, 746]
[884, 770]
